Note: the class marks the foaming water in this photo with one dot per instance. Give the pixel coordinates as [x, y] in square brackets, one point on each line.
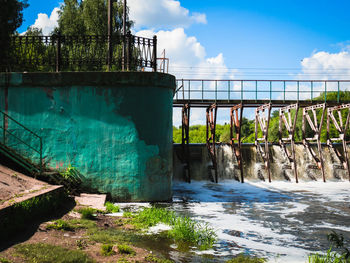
[282, 221]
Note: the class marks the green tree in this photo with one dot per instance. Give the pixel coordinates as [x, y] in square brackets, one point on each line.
[11, 17]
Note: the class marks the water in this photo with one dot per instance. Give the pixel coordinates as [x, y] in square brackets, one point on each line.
[282, 221]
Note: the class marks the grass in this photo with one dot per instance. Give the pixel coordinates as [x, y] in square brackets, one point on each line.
[111, 236]
[45, 253]
[4, 260]
[88, 213]
[184, 229]
[60, 225]
[152, 258]
[107, 250]
[246, 259]
[125, 249]
[112, 208]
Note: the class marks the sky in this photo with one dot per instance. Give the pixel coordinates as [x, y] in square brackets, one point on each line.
[236, 39]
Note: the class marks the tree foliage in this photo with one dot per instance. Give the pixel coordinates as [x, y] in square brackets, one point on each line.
[11, 17]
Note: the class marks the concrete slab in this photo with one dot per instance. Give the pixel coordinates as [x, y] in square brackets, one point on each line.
[95, 201]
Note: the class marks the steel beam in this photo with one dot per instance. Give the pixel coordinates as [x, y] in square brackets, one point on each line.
[236, 115]
[342, 129]
[262, 120]
[210, 141]
[289, 123]
[185, 141]
[316, 126]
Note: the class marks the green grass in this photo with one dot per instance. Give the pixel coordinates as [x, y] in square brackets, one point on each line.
[112, 208]
[107, 250]
[60, 225]
[112, 236]
[125, 249]
[330, 257]
[184, 229]
[88, 213]
[152, 258]
[4, 260]
[246, 259]
[45, 253]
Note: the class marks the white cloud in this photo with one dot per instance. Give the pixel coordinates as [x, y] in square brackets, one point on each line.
[160, 14]
[45, 23]
[323, 65]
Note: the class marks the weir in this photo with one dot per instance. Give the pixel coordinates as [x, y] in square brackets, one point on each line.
[317, 100]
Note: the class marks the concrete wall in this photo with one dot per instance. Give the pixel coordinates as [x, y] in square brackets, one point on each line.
[115, 128]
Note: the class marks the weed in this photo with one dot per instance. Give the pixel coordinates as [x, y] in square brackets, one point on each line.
[128, 214]
[153, 258]
[187, 230]
[111, 208]
[123, 260]
[87, 213]
[184, 229]
[82, 223]
[107, 250]
[81, 244]
[111, 236]
[44, 253]
[246, 259]
[336, 240]
[60, 225]
[125, 249]
[4, 260]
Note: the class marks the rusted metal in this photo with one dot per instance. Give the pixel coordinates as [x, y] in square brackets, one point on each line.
[236, 115]
[185, 142]
[262, 120]
[210, 141]
[289, 123]
[315, 125]
[342, 129]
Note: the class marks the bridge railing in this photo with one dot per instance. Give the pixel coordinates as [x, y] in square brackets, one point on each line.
[279, 90]
[81, 53]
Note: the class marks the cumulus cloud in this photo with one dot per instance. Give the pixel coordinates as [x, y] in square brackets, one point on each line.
[188, 59]
[324, 65]
[158, 14]
[46, 23]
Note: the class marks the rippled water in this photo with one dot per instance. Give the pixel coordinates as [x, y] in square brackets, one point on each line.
[282, 221]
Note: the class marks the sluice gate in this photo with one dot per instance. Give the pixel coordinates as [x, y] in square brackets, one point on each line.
[316, 100]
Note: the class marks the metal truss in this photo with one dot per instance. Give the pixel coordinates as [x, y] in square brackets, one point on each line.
[289, 123]
[262, 119]
[316, 126]
[236, 114]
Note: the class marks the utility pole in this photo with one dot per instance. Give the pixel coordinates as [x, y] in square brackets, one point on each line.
[110, 25]
[124, 37]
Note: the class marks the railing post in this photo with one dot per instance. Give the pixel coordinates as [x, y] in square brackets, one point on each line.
[41, 156]
[129, 51]
[109, 58]
[155, 54]
[58, 52]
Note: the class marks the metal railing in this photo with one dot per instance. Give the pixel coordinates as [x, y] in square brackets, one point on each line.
[257, 90]
[82, 53]
[13, 136]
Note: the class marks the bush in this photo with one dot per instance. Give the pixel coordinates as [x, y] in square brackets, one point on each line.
[112, 208]
[125, 249]
[107, 250]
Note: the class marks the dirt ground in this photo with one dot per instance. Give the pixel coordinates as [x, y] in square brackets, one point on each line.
[78, 239]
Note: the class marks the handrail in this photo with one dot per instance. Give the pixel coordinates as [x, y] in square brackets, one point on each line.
[246, 89]
[4, 127]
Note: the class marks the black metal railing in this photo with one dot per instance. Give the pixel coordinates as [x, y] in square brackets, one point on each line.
[21, 141]
[82, 53]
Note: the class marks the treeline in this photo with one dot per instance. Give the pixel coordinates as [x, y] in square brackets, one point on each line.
[198, 132]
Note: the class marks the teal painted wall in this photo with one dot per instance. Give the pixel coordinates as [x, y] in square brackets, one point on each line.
[115, 128]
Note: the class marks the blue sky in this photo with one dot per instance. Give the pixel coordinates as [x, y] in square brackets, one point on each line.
[230, 39]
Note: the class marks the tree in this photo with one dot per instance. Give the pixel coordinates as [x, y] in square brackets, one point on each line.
[11, 18]
[89, 17]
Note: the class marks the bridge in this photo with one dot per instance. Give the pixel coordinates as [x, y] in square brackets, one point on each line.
[316, 99]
